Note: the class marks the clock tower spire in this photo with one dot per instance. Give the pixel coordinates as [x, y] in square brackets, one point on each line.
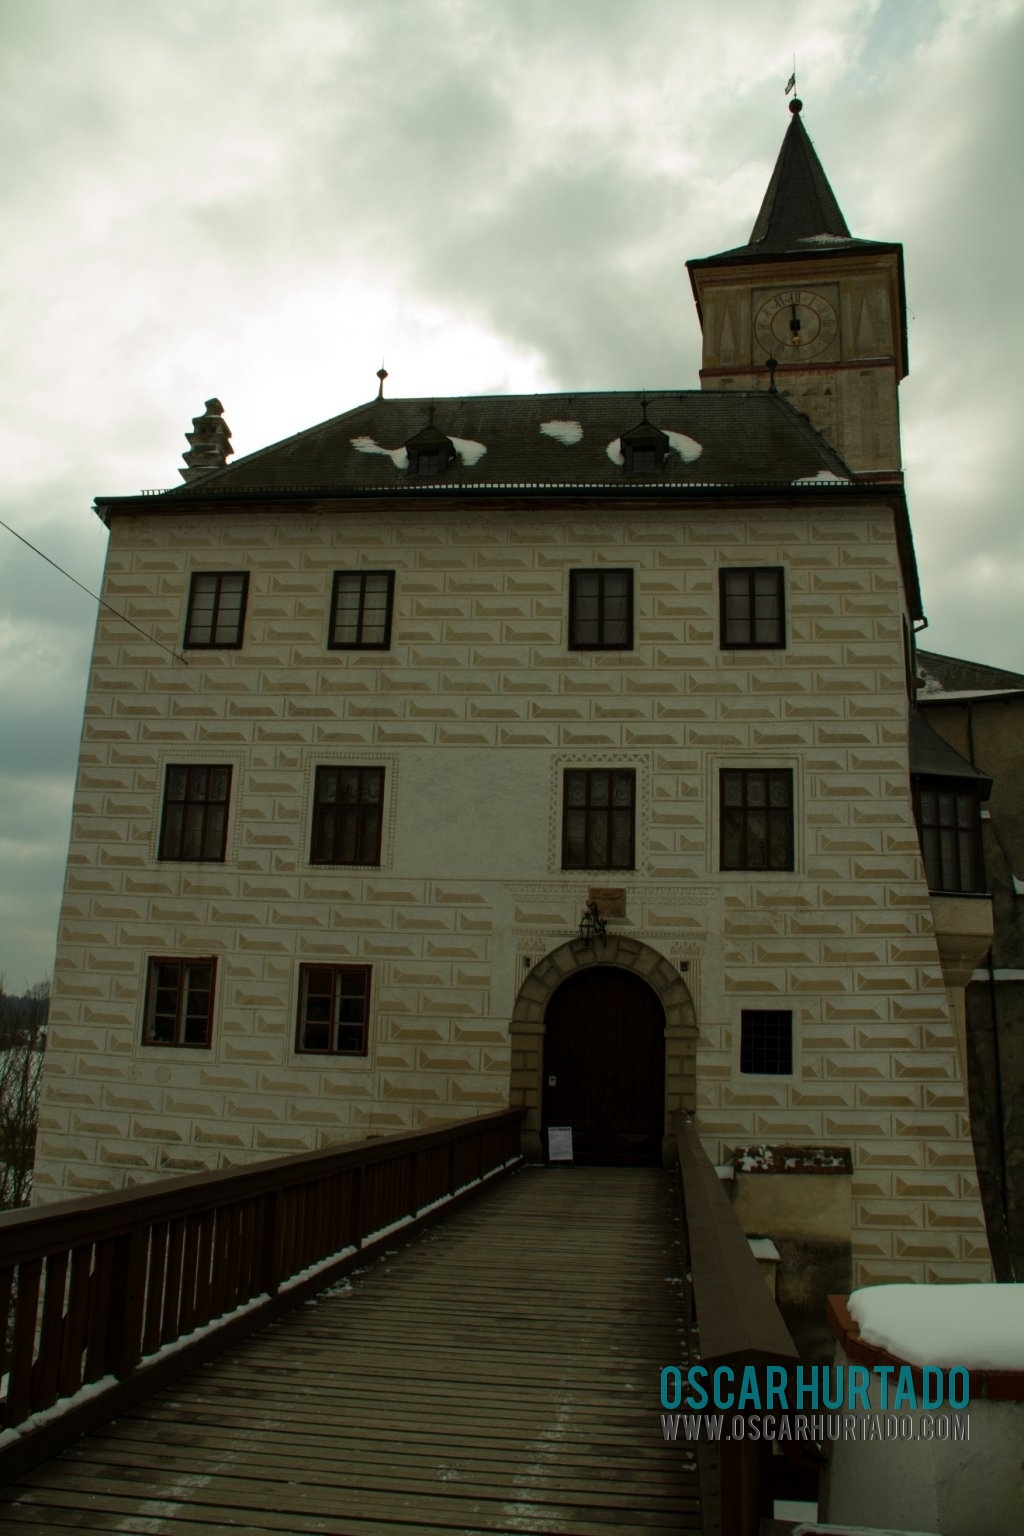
[827, 308]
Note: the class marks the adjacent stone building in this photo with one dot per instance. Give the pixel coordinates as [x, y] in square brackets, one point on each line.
[549, 750]
[979, 710]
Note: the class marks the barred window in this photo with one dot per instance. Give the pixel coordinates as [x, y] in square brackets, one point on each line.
[766, 1041]
[216, 610]
[179, 1002]
[752, 603]
[195, 812]
[348, 805]
[600, 610]
[334, 1009]
[598, 816]
[757, 818]
[361, 604]
[949, 826]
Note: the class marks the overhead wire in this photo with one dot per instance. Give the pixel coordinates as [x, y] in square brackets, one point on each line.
[102, 602]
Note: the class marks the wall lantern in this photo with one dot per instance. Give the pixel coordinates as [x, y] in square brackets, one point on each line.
[592, 925]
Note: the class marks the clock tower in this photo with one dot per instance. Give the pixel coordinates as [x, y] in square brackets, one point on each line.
[827, 309]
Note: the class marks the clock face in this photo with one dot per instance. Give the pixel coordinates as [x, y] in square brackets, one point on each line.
[795, 324]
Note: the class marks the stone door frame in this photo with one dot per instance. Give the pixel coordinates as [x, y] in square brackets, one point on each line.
[526, 1030]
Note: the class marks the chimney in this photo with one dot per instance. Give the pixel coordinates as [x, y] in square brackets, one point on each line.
[209, 442]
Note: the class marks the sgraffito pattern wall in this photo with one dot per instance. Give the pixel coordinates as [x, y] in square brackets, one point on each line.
[474, 712]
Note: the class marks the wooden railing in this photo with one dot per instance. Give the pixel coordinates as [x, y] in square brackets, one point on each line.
[738, 1325]
[106, 1299]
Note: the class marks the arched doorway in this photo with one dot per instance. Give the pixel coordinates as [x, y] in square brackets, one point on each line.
[604, 1066]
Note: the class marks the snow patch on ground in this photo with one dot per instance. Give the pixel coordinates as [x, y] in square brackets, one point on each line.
[567, 432]
[60, 1407]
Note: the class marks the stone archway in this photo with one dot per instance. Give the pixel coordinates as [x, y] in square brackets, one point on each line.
[527, 1027]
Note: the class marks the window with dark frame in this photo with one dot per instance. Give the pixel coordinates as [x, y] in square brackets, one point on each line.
[601, 610]
[766, 1041]
[361, 605]
[216, 610]
[756, 818]
[334, 1010]
[752, 608]
[348, 808]
[195, 812]
[179, 1002]
[643, 459]
[430, 452]
[644, 448]
[598, 818]
[949, 826]
[426, 462]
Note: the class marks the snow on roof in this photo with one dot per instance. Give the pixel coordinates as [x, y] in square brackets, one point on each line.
[763, 1248]
[468, 451]
[398, 456]
[567, 432]
[977, 1326]
[688, 449]
[933, 689]
[823, 474]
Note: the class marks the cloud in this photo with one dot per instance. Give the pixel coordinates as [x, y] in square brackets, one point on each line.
[215, 200]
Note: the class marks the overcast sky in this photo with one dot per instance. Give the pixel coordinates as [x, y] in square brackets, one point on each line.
[260, 201]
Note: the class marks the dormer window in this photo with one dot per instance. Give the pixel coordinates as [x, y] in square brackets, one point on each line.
[644, 449]
[430, 453]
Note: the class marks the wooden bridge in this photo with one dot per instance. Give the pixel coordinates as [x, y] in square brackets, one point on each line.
[475, 1365]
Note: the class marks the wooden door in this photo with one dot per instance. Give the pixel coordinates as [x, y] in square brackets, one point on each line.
[604, 1066]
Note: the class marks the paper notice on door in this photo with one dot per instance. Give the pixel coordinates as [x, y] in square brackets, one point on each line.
[559, 1143]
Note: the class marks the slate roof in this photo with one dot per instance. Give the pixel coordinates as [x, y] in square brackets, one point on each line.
[947, 678]
[931, 755]
[746, 438]
[799, 202]
[800, 215]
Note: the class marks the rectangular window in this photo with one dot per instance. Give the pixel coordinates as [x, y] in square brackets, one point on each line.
[600, 610]
[195, 819]
[179, 1002]
[752, 602]
[757, 818]
[766, 1041]
[949, 825]
[348, 806]
[334, 1009]
[598, 818]
[216, 610]
[361, 603]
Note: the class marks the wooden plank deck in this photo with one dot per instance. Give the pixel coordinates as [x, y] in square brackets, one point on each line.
[499, 1373]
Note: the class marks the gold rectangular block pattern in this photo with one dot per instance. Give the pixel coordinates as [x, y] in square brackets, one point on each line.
[479, 665]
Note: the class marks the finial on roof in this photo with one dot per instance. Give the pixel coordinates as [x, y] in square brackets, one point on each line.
[209, 442]
[382, 374]
[796, 105]
[771, 365]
